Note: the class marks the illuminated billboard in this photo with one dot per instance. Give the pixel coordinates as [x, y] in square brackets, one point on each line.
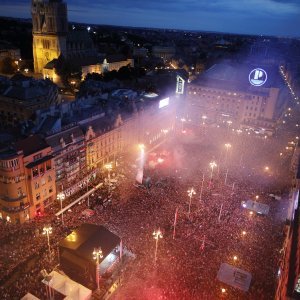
[164, 102]
[258, 77]
[180, 85]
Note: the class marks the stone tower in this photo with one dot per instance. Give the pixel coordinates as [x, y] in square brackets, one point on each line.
[49, 30]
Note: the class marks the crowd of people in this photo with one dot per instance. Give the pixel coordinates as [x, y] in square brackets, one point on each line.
[216, 230]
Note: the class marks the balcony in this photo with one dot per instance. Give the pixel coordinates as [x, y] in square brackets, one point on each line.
[16, 209]
[9, 199]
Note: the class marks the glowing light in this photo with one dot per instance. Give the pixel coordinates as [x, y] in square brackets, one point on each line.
[235, 258]
[160, 160]
[157, 234]
[191, 192]
[108, 166]
[223, 290]
[243, 232]
[164, 102]
[258, 77]
[142, 146]
[212, 164]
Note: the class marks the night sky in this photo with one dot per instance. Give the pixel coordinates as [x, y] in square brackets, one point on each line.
[270, 17]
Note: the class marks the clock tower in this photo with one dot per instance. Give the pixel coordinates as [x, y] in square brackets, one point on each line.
[49, 30]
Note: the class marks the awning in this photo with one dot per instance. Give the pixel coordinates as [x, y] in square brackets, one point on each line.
[64, 285]
[29, 296]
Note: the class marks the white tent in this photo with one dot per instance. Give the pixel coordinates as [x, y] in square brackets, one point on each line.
[66, 286]
[29, 296]
[234, 276]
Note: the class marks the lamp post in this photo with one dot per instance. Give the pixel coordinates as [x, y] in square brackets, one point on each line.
[61, 197]
[228, 124]
[212, 165]
[47, 230]
[201, 190]
[190, 192]
[157, 235]
[97, 254]
[228, 146]
[182, 121]
[108, 168]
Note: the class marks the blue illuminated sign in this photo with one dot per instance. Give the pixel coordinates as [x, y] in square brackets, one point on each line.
[258, 77]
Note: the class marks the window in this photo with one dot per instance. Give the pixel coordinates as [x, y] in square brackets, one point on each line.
[37, 157]
[42, 169]
[43, 182]
[19, 191]
[50, 189]
[48, 165]
[38, 196]
[36, 185]
[49, 178]
[35, 172]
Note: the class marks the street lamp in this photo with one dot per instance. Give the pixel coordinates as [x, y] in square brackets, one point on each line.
[212, 165]
[97, 254]
[182, 121]
[157, 235]
[61, 197]
[228, 146]
[47, 230]
[108, 167]
[191, 192]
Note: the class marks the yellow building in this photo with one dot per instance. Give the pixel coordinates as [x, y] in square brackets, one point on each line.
[14, 198]
[49, 30]
[27, 180]
[110, 63]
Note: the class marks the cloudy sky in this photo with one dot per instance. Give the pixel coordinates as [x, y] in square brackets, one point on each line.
[271, 17]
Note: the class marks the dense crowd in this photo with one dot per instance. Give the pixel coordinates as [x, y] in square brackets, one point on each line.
[187, 266]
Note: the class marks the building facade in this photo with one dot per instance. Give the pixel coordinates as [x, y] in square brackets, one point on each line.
[21, 96]
[69, 152]
[27, 180]
[14, 198]
[110, 63]
[49, 30]
[221, 98]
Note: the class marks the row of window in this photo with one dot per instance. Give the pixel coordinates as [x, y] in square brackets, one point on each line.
[8, 164]
[43, 182]
[41, 169]
[45, 193]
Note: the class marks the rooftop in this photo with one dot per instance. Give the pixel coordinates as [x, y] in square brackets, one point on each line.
[32, 144]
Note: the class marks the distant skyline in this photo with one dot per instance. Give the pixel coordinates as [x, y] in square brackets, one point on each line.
[258, 17]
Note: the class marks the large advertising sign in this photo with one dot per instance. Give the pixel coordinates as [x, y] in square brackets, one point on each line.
[164, 102]
[258, 77]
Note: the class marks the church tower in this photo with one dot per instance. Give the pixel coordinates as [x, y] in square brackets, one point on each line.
[49, 30]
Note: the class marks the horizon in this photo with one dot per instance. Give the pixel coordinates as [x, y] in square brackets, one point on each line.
[265, 18]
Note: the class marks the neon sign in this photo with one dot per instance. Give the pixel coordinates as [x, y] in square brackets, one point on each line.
[258, 77]
[180, 85]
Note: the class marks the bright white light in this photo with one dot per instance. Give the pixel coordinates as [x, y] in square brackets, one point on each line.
[164, 102]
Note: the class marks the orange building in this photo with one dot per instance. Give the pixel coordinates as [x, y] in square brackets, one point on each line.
[27, 180]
